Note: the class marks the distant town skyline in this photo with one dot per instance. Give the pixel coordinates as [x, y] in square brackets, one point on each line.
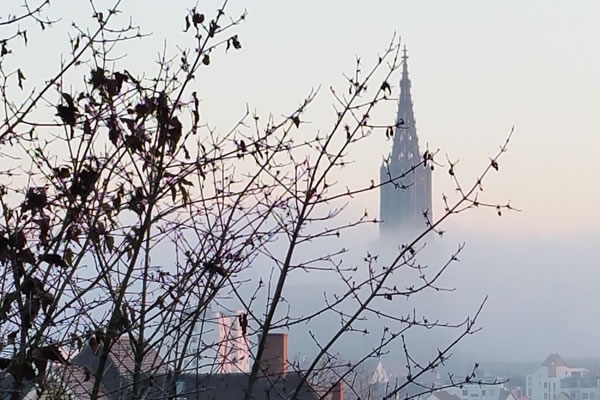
[477, 69]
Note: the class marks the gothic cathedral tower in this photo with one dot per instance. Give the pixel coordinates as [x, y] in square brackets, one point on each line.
[405, 196]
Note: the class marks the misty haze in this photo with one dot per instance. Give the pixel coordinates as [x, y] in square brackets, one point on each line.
[323, 200]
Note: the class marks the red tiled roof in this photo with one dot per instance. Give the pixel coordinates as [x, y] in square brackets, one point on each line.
[123, 356]
[518, 394]
[554, 360]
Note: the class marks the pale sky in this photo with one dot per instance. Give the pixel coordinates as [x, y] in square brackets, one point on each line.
[477, 68]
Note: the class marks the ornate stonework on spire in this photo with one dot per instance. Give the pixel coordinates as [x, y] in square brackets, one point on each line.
[404, 62]
[404, 201]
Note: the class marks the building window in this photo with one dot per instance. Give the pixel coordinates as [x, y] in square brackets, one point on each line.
[545, 385]
[545, 396]
[465, 392]
[529, 392]
[584, 395]
[483, 392]
[179, 388]
[592, 395]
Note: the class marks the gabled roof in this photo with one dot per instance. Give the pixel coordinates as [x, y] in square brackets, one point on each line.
[123, 356]
[379, 375]
[553, 361]
[120, 367]
[444, 395]
[78, 383]
[518, 394]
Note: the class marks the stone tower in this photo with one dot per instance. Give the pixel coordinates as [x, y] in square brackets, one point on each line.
[406, 193]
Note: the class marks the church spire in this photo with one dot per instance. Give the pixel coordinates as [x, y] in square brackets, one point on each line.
[405, 135]
[404, 63]
[404, 202]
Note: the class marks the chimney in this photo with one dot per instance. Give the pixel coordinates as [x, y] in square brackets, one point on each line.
[273, 362]
[338, 391]
[225, 350]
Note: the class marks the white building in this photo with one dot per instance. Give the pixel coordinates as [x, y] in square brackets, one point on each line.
[482, 392]
[580, 387]
[545, 382]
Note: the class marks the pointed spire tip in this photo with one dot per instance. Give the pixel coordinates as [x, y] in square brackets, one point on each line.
[404, 62]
